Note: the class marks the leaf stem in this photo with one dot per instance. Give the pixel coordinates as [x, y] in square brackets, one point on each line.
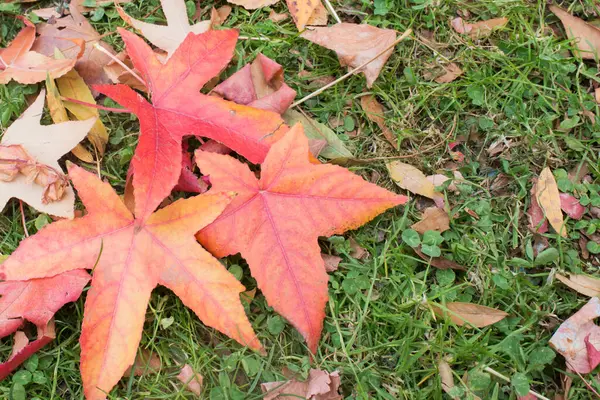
[338, 80]
[99, 107]
[332, 11]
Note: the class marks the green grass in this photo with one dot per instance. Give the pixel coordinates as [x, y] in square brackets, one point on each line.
[520, 85]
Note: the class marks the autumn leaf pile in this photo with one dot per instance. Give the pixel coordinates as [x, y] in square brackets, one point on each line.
[132, 246]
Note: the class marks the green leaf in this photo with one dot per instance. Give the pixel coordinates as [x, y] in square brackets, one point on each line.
[22, 377]
[569, 123]
[500, 281]
[411, 237]
[520, 383]
[445, 277]
[541, 356]
[98, 14]
[17, 392]
[479, 380]
[41, 221]
[32, 363]
[251, 366]
[236, 271]
[39, 378]
[275, 325]
[431, 251]
[165, 323]
[519, 262]
[315, 130]
[349, 124]
[433, 238]
[547, 256]
[574, 144]
[593, 247]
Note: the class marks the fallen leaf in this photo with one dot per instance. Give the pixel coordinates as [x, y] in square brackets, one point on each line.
[439, 180]
[188, 181]
[191, 380]
[82, 7]
[321, 385]
[439, 262]
[277, 17]
[45, 144]
[55, 35]
[583, 284]
[572, 338]
[260, 85]
[179, 109]
[307, 13]
[355, 44]
[286, 210]
[535, 215]
[571, 206]
[375, 113]
[548, 197]
[253, 4]
[410, 178]
[433, 219]
[315, 130]
[146, 362]
[23, 349]
[446, 377]
[23, 65]
[356, 250]
[168, 37]
[451, 72]
[331, 262]
[144, 252]
[585, 36]
[478, 29]
[470, 314]
[316, 146]
[220, 15]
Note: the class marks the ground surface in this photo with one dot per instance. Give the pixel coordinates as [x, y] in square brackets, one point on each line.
[519, 86]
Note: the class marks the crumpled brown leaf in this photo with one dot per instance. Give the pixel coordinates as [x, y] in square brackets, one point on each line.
[146, 362]
[575, 336]
[355, 44]
[190, 379]
[478, 29]
[451, 72]
[434, 219]
[54, 34]
[331, 262]
[583, 284]
[321, 385]
[260, 85]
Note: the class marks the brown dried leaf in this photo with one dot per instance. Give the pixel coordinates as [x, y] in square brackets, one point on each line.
[331, 262]
[470, 314]
[583, 284]
[446, 376]
[321, 385]
[277, 17]
[478, 29]
[451, 72]
[253, 4]
[548, 197]
[355, 44]
[586, 36]
[433, 219]
[146, 362]
[375, 113]
[439, 262]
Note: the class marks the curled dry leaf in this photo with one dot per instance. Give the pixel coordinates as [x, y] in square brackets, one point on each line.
[583, 284]
[446, 376]
[375, 113]
[191, 380]
[412, 179]
[23, 65]
[23, 348]
[451, 72]
[478, 29]
[219, 15]
[44, 145]
[548, 197]
[55, 34]
[439, 262]
[335, 148]
[355, 44]
[439, 180]
[168, 37]
[277, 17]
[434, 219]
[586, 36]
[321, 385]
[260, 85]
[575, 336]
[470, 314]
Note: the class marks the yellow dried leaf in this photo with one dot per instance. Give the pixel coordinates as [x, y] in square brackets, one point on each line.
[410, 178]
[548, 197]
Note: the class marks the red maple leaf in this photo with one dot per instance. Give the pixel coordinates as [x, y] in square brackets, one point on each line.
[179, 109]
[274, 222]
[130, 256]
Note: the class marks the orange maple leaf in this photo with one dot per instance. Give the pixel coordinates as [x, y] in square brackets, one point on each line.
[274, 222]
[130, 257]
[179, 109]
[18, 62]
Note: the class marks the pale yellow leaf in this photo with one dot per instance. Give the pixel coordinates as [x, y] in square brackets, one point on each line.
[548, 197]
[412, 179]
[583, 284]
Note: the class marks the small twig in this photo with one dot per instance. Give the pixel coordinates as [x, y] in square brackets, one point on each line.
[99, 107]
[586, 383]
[338, 80]
[23, 218]
[121, 63]
[332, 11]
[264, 39]
[504, 378]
